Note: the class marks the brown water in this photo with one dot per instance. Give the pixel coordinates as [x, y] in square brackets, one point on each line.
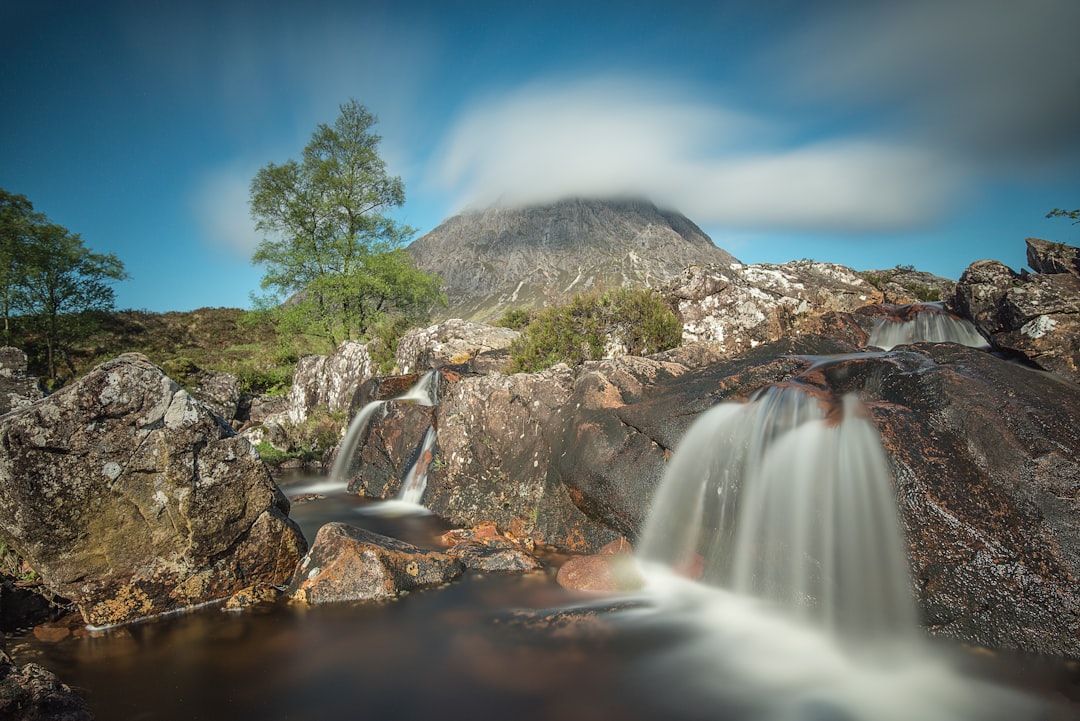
[480, 648]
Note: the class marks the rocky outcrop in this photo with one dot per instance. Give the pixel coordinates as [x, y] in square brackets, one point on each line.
[17, 389]
[509, 258]
[130, 498]
[737, 307]
[32, 693]
[1034, 315]
[903, 285]
[329, 381]
[452, 341]
[218, 391]
[346, 563]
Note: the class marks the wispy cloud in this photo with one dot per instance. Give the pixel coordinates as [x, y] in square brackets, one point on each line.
[220, 204]
[717, 163]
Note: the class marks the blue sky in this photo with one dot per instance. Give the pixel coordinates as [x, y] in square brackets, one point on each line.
[865, 133]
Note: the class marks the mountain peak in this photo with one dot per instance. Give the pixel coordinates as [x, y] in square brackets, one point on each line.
[500, 258]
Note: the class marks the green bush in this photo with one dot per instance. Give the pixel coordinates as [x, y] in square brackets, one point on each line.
[637, 320]
[515, 319]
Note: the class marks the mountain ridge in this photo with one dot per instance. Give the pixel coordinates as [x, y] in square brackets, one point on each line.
[527, 257]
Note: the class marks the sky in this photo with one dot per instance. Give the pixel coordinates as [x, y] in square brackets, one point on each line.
[931, 133]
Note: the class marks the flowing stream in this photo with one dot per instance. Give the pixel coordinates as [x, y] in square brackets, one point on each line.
[776, 590]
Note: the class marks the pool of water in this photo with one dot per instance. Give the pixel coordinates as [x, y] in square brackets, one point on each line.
[521, 647]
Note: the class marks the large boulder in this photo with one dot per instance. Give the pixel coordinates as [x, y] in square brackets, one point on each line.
[219, 391]
[17, 389]
[452, 341]
[329, 381]
[1033, 315]
[737, 307]
[130, 498]
[346, 563]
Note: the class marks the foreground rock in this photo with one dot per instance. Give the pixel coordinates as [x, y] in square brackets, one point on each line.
[130, 498]
[346, 563]
[32, 693]
[1035, 315]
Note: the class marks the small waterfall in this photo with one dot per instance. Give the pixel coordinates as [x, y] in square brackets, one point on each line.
[423, 392]
[415, 481]
[788, 498]
[924, 323]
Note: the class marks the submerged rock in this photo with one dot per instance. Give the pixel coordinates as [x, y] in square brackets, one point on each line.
[33, 693]
[346, 563]
[130, 498]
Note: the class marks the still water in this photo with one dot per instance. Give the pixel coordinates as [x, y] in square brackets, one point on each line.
[520, 647]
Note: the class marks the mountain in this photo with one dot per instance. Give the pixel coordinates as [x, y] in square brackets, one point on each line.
[502, 258]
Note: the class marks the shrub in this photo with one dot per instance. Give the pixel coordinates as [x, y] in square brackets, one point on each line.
[515, 319]
[637, 322]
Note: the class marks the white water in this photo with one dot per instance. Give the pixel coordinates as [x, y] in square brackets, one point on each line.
[926, 326]
[784, 508]
[423, 392]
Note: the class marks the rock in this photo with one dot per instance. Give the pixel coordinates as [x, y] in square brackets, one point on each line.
[494, 555]
[1051, 258]
[261, 594]
[497, 437]
[980, 293]
[130, 498]
[21, 607]
[329, 381]
[390, 446]
[219, 391]
[32, 693]
[738, 307]
[505, 258]
[450, 342]
[17, 389]
[611, 570]
[904, 285]
[1036, 316]
[351, 564]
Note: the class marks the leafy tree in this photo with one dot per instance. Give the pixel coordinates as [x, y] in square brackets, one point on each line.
[49, 280]
[328, 242]
[60, 285]
[1059, 213]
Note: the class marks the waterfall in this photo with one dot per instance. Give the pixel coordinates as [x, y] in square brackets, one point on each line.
[924, 323]
[788, 498]
[415, 481]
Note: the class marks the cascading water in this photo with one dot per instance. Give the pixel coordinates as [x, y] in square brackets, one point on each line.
[924, 323]
[788, 498]
[782, 508]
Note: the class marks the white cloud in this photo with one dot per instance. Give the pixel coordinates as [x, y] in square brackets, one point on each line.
[719, 165]
[220, 204]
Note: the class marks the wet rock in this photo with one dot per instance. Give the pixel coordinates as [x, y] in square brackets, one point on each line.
[130, 498]
[611, 570]
[346, 563]
[495, 554]
[737, 307]
[391, 444]
[17, 389]
[497, 436]
[32, 693]
[261, 594]
[452, 341]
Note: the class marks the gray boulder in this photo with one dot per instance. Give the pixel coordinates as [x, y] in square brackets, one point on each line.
[130, 498]
[17, 389]
[449, 342]
[329, 381]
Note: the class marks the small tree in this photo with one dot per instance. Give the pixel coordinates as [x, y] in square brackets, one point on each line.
[61, 283]
[328, 243]
[17, 220]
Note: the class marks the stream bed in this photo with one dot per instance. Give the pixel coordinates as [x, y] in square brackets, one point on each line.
[521, 647]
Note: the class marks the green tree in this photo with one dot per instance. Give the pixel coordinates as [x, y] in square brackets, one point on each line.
[59, 286]
[1060, 213]
[329, 249]
[49, 281]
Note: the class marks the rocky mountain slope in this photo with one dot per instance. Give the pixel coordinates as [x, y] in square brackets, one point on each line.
[503, 258]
